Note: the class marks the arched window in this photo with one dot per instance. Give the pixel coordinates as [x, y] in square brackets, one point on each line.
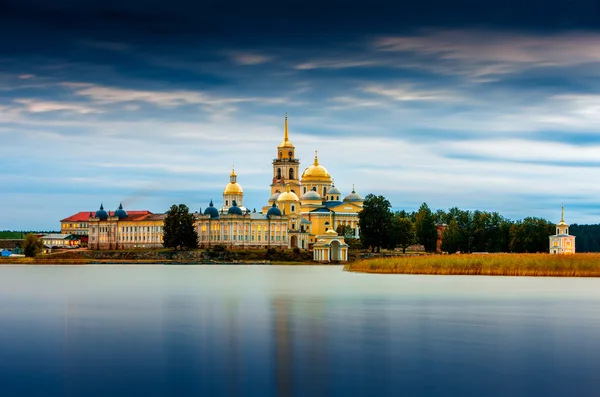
[293, 208]
[280, 154]
[291, 173]
[226, 203]
[324, 192]
[278, 173]
[304, 189]
[338, 198]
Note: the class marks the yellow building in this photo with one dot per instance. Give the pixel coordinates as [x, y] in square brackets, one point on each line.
[330, 247]
[301, 207]
[562, 242]
[122, 230]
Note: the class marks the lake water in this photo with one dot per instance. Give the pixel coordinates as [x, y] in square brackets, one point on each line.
[293, 331]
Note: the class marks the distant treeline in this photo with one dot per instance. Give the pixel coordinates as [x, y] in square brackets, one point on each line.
[587, 237]
[16, 235]
[481, 231]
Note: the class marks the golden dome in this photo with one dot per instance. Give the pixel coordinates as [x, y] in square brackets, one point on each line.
[288, 195]
[233, 188]
[316, 172]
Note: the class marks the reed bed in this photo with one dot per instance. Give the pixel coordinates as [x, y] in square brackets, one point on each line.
[541, 265]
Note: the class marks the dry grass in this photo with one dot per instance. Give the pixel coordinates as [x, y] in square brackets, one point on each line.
[544, 265]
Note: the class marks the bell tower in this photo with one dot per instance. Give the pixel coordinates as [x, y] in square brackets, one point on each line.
[286, 165]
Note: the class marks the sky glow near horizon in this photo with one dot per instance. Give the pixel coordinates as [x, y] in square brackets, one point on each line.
[151, 105]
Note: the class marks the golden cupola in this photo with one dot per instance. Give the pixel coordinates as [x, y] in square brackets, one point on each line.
[316, 172]
[233, 187]
[288, 195]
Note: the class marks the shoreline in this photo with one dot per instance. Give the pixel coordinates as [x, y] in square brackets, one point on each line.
[510, 265]
[82, 262]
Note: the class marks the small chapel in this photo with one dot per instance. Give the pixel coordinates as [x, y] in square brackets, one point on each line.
[562, 242]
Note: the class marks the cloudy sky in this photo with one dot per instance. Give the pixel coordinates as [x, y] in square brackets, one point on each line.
[489, 105]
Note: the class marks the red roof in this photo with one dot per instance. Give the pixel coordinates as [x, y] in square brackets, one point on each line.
[85, 215]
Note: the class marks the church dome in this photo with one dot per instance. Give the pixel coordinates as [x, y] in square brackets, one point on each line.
[121, 213]
[273, 211]
[353, 197]
[274, 197]
[233, 188]
[316, 172]
[311, 195]
[287, 195]
[101, 214]
[211, 210]
[333, 190]
[234, 209]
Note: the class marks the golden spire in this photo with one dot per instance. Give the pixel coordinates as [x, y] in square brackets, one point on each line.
[286, 138]
[233, 171]
[562, 214]
[285, 130]
[316, 158]
[353, 188]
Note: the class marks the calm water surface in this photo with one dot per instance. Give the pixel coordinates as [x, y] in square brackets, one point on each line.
[293, 331]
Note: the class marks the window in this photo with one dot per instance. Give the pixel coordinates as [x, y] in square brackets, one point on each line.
[291, 173]
[226, 203]
[293, 208]
[278, 173]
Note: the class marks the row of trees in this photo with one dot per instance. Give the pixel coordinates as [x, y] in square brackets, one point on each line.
[466, 231]
[587, 237]
[381, 228]
[481, 231]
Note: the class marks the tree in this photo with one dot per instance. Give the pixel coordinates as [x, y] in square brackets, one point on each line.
[531, 235]
[32, 245]
[346, 231]
[450, 240]
[179, 231]
[425, 228]
[404, 232]
[375, 221]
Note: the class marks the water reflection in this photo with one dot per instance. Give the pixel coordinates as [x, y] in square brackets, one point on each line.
[270, 331]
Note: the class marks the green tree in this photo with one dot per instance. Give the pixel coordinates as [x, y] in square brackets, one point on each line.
[375, 221]
[425, 228]
[531, 235]
[404, 232]
[179, 231]
[451, 237]
[32, 245]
